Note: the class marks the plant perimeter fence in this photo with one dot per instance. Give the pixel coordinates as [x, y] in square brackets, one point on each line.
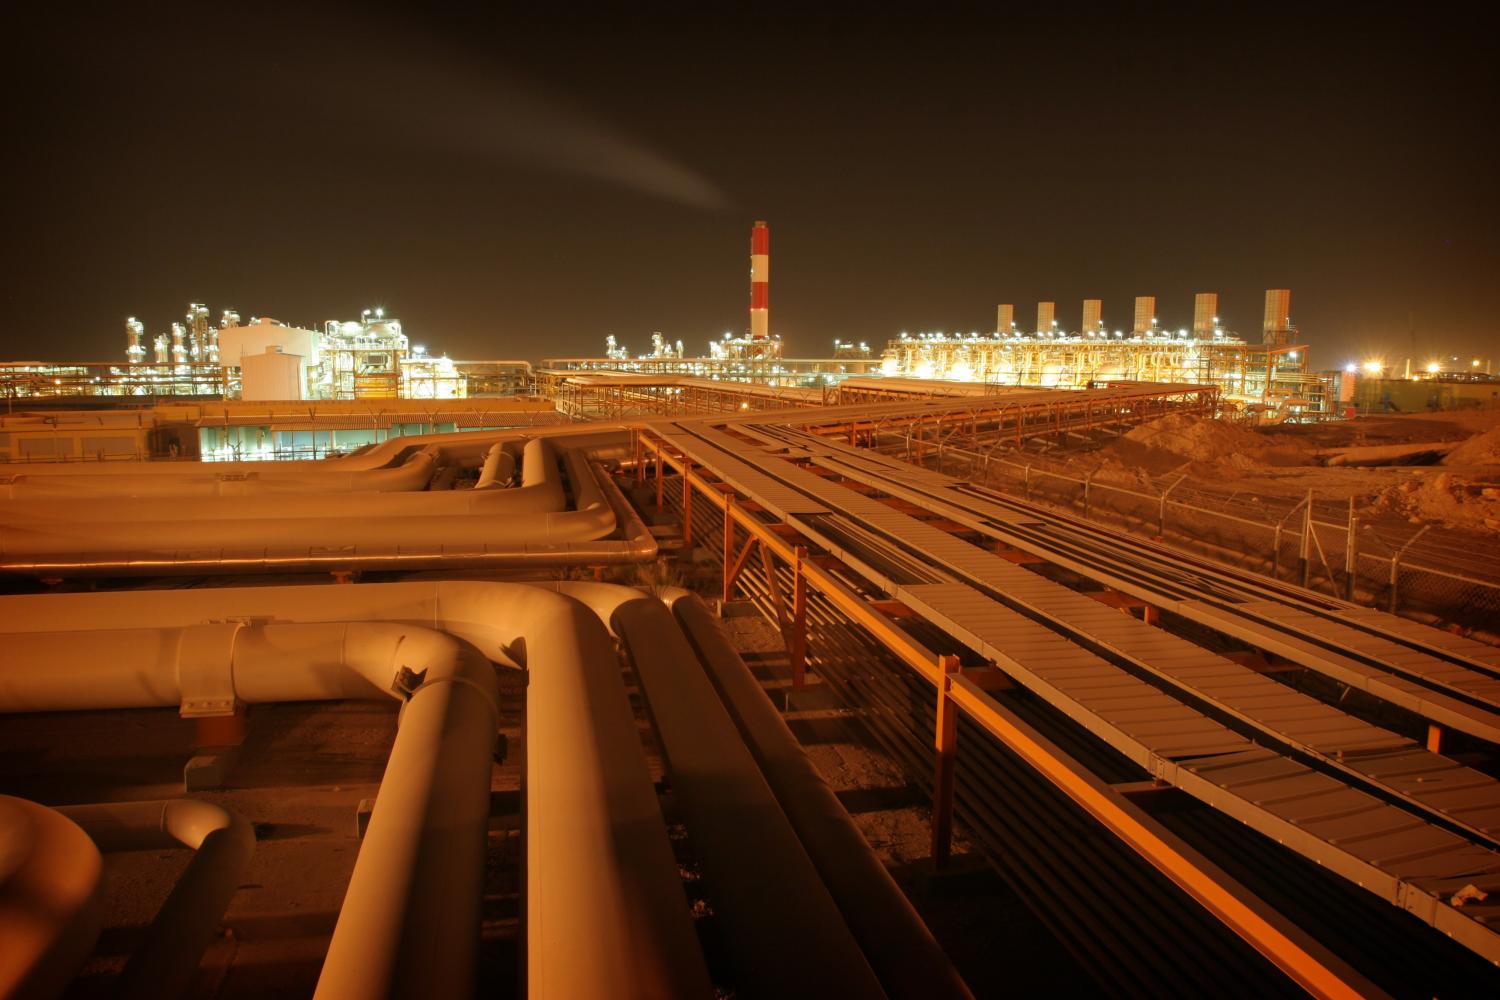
[1421, 571]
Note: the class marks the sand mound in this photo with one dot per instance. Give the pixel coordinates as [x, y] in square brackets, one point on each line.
[1204, 439]
[1481, 449]
[1442, 499]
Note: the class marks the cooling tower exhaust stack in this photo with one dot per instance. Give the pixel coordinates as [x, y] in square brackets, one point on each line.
[1145, 316]
[1005, 320]
[1092, 323]
[1205, 314]
[760, 282]
[1277, 328]
[1046, 318]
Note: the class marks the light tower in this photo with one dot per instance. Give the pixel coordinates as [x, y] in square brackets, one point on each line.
[760, 282]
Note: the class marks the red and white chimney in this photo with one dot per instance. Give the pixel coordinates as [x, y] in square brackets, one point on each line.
[760, 282]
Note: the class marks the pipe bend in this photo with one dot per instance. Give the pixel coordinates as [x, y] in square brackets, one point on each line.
[404, 659]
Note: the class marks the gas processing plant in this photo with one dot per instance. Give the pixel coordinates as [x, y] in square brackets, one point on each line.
[372, 358]
[923, 676]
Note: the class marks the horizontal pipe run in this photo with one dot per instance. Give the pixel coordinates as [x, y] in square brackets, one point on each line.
[782, 928]
[606, 915]
[909, 962]
[575, 538]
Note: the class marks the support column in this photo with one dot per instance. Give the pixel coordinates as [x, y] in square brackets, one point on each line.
[660, 482]
[797, 654]
[687, 504]
[729, 566]
[945, 740]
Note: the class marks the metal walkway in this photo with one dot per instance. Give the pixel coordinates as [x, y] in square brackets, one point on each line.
[1372, 805]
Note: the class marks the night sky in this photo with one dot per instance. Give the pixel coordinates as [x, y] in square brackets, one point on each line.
[520, 185]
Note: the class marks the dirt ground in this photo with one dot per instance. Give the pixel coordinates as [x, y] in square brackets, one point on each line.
[1437, 468]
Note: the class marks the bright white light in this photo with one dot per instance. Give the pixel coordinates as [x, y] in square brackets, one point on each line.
[418, 349]
[1433, 368]
[1351, 368]
[379, 313]
[1373, 367]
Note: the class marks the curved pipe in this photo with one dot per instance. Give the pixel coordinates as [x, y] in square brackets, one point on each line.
[540, 492]
[209, 481]
[499, 467]
[410, 917]
[606, 914]
[576, 537]
[910, 963]
[51, 899]
[782, 927]
[186, 924]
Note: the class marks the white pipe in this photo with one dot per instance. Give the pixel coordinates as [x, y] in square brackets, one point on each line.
[910, 963]
[482, 533]
[164, 964]
[51, 899]
[606, 914]
[210, 481]
[499, 468]
[783, 930]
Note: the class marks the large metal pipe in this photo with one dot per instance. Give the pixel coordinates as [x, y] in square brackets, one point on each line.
[482, 534]
[783, 930]
[903, 952]
[411, 916]
[606, 914]
[51, 899]
[164, 964]
[208, 481]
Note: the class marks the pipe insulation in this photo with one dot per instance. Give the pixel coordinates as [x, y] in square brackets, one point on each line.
[910, 963]
[206, 480]
[163, 966]
[51, 900]
[478, 530]
[782, 929]
[606, 914]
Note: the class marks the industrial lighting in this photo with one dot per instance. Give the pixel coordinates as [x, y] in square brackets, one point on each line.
[1434, 368]
[1373, 367]
[1351, 368]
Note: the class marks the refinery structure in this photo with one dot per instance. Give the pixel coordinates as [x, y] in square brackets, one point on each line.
[336, 669]
[1265, 377]
[372, 358]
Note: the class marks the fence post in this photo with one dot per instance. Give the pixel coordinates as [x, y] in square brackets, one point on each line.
[1396, 564]
[1026, 478]
[1304, 557]
[1351, 564]
[1087, 481]
[945, 741]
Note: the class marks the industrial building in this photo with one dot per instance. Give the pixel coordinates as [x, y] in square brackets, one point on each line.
[1265, 377]
[368, 358]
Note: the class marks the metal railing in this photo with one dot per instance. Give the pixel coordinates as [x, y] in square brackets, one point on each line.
[1421, 571]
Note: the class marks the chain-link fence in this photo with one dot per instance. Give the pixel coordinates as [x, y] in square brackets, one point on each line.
[1422, 571]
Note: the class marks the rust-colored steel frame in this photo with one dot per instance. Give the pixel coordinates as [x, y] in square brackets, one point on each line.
[958, 693]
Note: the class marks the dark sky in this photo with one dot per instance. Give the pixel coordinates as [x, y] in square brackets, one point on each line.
[520, 184]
